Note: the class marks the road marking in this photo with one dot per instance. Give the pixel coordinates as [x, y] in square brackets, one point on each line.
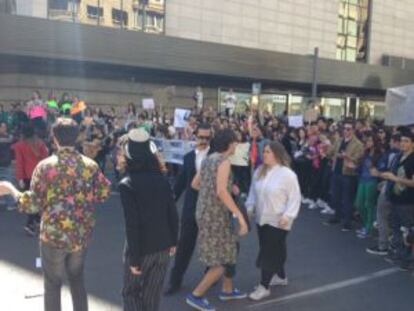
[327, 288]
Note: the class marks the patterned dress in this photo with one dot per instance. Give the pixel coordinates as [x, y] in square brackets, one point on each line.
[216, 239]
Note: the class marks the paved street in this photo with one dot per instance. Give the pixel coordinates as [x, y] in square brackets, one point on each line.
[328, 270]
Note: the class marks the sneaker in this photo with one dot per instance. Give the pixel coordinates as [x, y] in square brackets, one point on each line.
[328, 211]
[236, 294]
[259, 293]
[363, 235]
[11, 208]
[306, 201]
[313, 206]
[320, 203]
[375, 250]
[30, 230]
[346, 228]
[277, 281]
[201, 304]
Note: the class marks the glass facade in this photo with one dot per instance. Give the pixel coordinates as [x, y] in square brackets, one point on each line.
[353, 18]
[137, 15]
[330, 107]
[369, 109]
[333, 107]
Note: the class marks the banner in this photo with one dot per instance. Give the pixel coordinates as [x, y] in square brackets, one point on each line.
[173, 151]
[399, 109]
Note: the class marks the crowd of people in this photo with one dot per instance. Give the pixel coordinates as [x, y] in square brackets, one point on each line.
[246, 168]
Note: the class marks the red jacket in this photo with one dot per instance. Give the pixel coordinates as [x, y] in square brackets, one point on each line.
[27, 157]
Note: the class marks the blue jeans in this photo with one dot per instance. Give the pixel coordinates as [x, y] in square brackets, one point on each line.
[55, 263]
[343, 193]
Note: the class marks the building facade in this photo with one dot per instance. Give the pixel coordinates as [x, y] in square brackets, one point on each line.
[365, 46]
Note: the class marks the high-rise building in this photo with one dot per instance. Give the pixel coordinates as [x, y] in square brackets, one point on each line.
[363, 46]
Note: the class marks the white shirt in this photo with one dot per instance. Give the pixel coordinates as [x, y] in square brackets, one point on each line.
[230, 101]
[273, 196]
[200, 156]
[241, 155]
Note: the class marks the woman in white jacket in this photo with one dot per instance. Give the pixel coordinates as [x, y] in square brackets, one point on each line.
[274, 198]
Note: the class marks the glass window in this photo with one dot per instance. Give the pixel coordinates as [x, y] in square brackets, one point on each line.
[243, 101]
[298, 105]
[352, 20]
[371, 109]
[274, 104]
[119, 17]
[333, 107]
[351, 42]
[350, 55]
[94, 11]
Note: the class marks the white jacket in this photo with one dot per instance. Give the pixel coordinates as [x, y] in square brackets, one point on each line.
[275, 195]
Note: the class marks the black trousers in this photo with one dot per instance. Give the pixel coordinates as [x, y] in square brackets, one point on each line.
[185, 249]
[272, 253]
[143, 292]
[303, 168]
[242, 177]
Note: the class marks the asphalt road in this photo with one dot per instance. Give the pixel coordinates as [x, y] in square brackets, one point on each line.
[328, 270]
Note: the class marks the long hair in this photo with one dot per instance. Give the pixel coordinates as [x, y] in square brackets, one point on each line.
[280, 154]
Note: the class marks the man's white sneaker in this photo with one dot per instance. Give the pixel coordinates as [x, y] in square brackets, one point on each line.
[313, 205]
[259, 293]
[277, 281]
[328, 211]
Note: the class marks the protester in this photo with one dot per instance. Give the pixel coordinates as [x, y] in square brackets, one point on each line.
[189, 230]
[347, 154]
[217, 241]
[366, 197]
[275, 199]
[29, 151]
[6, 140]
[151, 223]
[63, 190]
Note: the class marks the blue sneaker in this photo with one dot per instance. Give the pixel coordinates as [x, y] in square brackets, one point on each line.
[236, 294]
[201, 304]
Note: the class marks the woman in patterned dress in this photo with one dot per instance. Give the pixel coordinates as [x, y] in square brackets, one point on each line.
[215, 212]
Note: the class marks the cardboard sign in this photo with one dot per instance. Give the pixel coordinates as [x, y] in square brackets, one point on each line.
[295, 121]
[181, 117]
[148, 104]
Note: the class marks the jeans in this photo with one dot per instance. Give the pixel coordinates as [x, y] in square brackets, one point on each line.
[343, 196]
[402, 215]
[383, 212]
[55, 263]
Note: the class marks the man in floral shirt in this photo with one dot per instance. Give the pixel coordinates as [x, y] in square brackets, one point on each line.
[64, 189]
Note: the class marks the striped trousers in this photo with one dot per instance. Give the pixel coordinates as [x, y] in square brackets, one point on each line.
[143, 292]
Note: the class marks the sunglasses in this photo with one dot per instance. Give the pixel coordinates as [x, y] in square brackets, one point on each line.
[347, 128]
[203, 137]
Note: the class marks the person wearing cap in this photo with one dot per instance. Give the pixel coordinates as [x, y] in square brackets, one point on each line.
[151, 222]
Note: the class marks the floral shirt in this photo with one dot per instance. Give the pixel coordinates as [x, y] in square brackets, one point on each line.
[64, 189]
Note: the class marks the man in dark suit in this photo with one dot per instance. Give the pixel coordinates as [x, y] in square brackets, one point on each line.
[189, 229]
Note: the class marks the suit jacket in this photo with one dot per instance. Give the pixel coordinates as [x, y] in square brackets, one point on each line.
[183, 184]
[355, 150]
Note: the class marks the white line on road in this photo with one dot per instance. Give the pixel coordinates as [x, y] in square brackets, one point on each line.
[327, 288]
